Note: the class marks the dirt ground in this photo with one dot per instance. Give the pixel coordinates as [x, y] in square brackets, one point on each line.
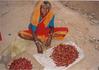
[83, 29]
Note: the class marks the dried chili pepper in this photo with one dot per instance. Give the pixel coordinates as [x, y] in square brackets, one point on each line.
[20, 64]
[63, 55]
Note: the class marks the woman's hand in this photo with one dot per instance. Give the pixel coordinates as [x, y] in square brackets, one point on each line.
[39, 47]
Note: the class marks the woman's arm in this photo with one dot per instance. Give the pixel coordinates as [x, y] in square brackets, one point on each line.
[38, 44]
[35, 39]
[51, 26]
[48, 42]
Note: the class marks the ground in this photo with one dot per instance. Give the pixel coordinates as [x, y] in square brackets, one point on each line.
[16, 16]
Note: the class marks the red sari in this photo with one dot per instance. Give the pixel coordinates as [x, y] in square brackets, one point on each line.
[42, 31]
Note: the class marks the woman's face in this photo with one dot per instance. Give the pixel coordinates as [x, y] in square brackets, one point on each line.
[43, 10]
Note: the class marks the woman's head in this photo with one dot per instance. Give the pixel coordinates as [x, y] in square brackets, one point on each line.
[45, 8]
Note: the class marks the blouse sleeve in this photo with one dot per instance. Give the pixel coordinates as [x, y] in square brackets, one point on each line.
[51, 24]
[32, 27]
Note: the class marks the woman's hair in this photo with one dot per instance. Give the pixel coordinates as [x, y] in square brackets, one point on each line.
[48, 4]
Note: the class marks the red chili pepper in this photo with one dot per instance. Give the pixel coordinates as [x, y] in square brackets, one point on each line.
[63, 55]
[20, 64]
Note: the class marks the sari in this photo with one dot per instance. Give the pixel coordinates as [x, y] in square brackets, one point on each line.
[41, 27]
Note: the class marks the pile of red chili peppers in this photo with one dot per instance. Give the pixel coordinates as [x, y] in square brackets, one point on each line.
[63, 55]
[20, 64]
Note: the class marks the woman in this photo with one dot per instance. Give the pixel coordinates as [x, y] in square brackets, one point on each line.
[41, 28]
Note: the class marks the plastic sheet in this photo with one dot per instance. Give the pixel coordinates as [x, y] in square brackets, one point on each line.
[49, 64]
